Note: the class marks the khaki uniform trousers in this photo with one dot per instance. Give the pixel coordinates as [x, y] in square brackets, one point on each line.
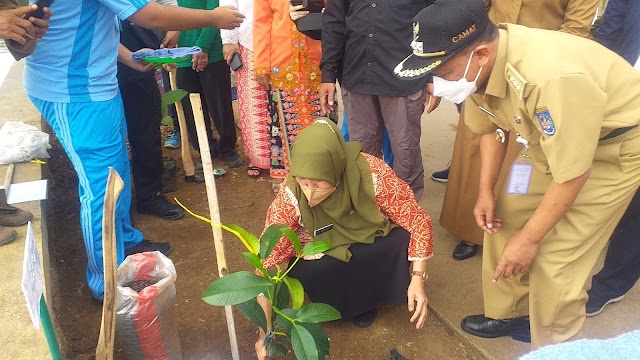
[461, 193]
[552, 291]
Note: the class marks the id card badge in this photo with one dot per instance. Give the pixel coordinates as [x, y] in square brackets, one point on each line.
[519, 178]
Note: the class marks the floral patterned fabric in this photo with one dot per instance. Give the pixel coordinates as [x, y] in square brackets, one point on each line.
[394, 198]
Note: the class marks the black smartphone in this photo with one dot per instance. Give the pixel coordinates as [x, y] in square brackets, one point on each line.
[312, 6]
[235, 62]
[39, 13]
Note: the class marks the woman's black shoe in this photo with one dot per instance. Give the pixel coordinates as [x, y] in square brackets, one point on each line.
[365, 320]
[464, 251]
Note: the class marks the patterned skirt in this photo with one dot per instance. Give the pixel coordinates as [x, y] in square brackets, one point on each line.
[254, 118]
[289, 114]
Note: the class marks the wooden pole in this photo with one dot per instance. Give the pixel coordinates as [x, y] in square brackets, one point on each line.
[8, 177]
[104, 350]
[212, 197]
[187, 161]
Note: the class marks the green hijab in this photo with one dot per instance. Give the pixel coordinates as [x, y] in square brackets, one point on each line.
[350, 214]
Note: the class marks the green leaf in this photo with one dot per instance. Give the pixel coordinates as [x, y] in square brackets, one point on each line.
[167, 120]
[269, 239]
[282, 296]
[235, 288]
[255, 261]
[318, 312]
[173, 96]
[316, 247]
[320, 338]
[251, 239]
[163, 112]
[296, 290]
[291, 235]
[304, 346]
[276, 350]
[253, 312]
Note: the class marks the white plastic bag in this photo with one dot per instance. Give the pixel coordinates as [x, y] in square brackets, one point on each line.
[20, 142]
[145, 320]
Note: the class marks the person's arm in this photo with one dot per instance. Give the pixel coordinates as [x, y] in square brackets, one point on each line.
[283, 210]
[21, 35]
[262, 22]
[396, 200]
[578, 17]
[610, 30]
[492, 153]
[165, 17]
[333, 40]
[229, 36]
[124, 56]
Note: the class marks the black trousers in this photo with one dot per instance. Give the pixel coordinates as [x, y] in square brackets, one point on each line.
[142, 109]
[376, 274]
[622, 264]
[214, 86]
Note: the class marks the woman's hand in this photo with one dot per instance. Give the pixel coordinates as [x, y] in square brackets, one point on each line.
[263, 80]
[296, 12]
[228, 50]
[484, 213]
[199, 61]
[417, 301]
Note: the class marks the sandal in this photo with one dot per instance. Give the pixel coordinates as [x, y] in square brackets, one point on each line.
[253, 171]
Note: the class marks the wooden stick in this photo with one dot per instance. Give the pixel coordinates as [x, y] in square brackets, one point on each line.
[104, 350]
[7, 179]
[214, 211]
[187, 161]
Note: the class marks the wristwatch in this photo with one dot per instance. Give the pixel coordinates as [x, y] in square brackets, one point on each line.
[422, 274]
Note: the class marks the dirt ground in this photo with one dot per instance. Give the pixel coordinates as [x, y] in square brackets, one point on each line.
[202, 328]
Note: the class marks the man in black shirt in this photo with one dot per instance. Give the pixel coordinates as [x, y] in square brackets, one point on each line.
[363, 40]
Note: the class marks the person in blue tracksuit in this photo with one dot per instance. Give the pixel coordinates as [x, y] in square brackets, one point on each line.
[71, 79]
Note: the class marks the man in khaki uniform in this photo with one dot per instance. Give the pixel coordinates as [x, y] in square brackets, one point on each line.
[573, 105]
[570, 16]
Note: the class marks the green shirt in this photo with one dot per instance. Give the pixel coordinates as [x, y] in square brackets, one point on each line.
[208, 39]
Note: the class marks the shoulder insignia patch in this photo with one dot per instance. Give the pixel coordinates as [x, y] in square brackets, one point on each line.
[546, 121]
[517, 82]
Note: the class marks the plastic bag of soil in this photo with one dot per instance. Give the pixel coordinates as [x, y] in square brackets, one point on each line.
[145, 301]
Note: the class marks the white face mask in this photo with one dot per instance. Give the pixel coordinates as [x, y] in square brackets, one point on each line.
[456, 91]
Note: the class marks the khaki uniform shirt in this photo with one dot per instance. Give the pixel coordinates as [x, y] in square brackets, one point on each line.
[570, 16]
[561, 93]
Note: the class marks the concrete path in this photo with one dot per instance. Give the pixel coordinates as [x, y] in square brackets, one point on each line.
[18, 337]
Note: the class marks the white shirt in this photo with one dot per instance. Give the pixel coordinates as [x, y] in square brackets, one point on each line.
[242, 35]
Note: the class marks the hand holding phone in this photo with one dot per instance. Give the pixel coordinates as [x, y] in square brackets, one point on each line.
[236, 63]
[39, 13]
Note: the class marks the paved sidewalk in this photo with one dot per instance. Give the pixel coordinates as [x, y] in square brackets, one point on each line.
[18, 337]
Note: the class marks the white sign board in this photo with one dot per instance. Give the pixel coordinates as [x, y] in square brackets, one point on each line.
[31, 278]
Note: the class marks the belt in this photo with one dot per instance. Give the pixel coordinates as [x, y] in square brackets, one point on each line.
[617, 132]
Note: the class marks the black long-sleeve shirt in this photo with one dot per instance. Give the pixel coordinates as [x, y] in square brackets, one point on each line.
[365, 40]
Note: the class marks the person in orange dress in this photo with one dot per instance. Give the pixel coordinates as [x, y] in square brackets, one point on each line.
[287, 63]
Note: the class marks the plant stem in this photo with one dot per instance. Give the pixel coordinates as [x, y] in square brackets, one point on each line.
[291, 267]
[278, 333]
[283, 315]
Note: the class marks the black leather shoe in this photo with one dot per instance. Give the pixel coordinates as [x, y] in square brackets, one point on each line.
[365, 320]
[482, 326]
[464, 251]
[148, 246]
[159, 206]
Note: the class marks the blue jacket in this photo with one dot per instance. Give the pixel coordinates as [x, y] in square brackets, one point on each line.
[621, 28]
